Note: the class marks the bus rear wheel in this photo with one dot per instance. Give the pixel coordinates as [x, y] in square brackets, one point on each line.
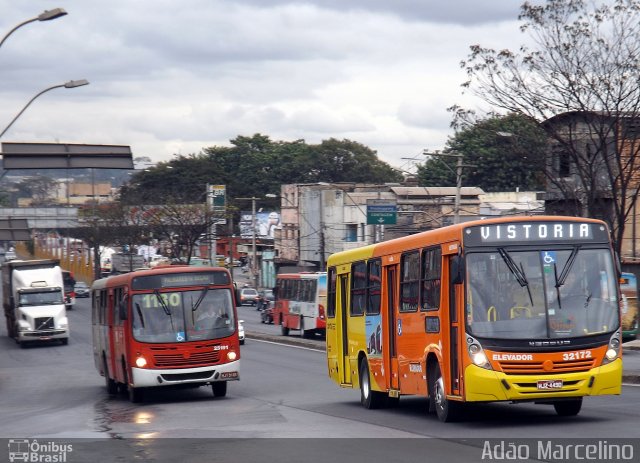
[219, 388]
[369, 398]
[283, 329]
[568, 407]
[110, 384]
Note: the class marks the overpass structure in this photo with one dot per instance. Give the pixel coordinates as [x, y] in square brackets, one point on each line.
[43, 218]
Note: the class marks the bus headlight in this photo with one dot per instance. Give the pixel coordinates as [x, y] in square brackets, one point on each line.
[476, 354]
[141, 362]
[613, 351]
[231, 355]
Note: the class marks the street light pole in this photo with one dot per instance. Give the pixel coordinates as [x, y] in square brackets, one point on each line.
[70, 84]
[44, 16]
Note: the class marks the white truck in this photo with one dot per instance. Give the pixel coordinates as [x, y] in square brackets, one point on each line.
[125, 262]
[33, 299]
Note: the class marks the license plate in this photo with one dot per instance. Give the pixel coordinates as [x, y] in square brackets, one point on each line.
[547, 384]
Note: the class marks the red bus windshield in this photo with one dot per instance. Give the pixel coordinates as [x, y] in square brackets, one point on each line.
[183, 315]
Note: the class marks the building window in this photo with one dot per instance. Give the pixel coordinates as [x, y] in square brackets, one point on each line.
[351, 232]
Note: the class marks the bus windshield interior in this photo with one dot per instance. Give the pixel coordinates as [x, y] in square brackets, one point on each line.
[561, 293]
[181, 316]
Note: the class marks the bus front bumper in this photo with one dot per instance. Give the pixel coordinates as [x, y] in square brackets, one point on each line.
[144, 377]
[483, 385]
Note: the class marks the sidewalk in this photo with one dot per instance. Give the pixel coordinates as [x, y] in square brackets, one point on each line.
[631, 362]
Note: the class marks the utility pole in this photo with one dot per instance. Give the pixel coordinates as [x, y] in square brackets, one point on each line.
[457, 173]
[254, 268]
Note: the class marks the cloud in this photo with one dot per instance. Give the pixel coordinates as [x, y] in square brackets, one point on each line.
[175, 77]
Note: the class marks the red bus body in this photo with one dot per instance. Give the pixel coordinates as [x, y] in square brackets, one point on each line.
[300, 302]
[148, 331]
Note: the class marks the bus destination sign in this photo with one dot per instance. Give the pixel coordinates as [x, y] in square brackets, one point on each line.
[527, 232]
[176, 280]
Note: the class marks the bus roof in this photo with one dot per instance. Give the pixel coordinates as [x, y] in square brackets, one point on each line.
[439, 236]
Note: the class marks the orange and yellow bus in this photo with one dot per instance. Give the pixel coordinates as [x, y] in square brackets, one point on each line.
[167, 326]
[513, 309]
[300, 301]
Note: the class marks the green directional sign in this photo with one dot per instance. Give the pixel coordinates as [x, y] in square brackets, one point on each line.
[381, 214]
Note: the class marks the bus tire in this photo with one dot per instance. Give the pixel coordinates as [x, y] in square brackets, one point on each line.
[568, 407]
[284, 329]
[64, 341]
[446, 409]
[369, 398]
[219, 388]
[136, 394]
[110, 384]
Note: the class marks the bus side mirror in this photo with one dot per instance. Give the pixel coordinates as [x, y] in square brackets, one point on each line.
[457, 270]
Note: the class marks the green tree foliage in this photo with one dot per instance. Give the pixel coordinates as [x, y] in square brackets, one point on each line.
[500, 153]
[255, 166]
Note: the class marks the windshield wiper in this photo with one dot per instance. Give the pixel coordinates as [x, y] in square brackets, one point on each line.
[565, 272]
[139, 310]
[195, 306]
[521, 277]
[166, 308]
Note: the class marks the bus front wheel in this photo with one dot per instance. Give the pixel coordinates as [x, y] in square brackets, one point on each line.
[446, 409]
[219, 388]
[369, 398]
[568, 407]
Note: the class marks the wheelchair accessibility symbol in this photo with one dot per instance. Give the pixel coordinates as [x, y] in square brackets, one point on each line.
[180, 336]
[548, 257]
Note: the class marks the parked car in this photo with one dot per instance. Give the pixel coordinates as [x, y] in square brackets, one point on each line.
[266, 316]
[241, 331]
[248, 296]
[81, 289]
[265, 298]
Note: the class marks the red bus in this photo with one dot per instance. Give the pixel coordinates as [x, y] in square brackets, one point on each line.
[511, 309]
[300, 302]
[167, 326]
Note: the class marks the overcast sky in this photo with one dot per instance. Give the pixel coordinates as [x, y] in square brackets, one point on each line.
[173, 77]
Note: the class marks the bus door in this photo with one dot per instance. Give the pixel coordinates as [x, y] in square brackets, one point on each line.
[451, 326]
[391, 354]
[342, 311]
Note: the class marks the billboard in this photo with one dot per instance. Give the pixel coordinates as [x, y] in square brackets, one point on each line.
[266, 223]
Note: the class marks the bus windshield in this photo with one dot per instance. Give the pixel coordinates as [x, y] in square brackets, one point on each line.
[548, 294]
[181, 316]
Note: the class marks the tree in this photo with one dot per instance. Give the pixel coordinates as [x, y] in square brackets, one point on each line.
[585, 61]
[506, 153]
[39, 188]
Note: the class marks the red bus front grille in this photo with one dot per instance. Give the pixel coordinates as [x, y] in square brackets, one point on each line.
[182, 360]
[534, 368]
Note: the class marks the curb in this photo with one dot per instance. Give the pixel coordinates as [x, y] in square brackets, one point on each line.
[289, 340]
